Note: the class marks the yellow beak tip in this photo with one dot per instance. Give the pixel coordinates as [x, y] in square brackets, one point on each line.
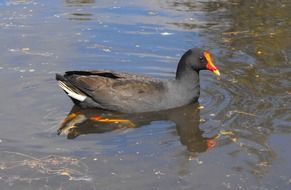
[216, 72]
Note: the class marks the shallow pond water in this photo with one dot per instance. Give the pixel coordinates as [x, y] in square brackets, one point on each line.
[236, 137]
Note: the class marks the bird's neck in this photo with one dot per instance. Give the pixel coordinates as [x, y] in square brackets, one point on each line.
[187, 84]
[188, 81]
[185, 72]
[188, 77]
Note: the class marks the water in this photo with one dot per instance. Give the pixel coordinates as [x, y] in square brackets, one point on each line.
[236, 137]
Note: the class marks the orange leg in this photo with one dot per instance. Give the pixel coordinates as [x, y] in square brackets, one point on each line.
[116, 121]
[70, 117]
[64, 126]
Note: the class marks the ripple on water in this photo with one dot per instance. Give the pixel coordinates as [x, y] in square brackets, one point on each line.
[243, 109]
[230, 105]
[19, 168]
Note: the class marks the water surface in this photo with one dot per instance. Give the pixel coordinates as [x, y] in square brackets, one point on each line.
[236, 137]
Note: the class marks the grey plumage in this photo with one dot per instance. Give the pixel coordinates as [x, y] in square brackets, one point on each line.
[129, 93]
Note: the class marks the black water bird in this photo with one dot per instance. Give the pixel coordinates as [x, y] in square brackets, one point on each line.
[131, 93]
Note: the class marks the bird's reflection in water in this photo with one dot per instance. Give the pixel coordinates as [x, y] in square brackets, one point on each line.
[187, 119]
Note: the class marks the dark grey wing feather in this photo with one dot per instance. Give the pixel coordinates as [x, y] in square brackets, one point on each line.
[118, 91]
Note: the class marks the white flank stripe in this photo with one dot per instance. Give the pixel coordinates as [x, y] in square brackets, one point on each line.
[71, 93]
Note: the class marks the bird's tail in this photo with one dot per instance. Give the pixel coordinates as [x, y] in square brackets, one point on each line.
[72, 91]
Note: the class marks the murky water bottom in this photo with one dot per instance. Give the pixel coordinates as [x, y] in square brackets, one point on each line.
[236, 137]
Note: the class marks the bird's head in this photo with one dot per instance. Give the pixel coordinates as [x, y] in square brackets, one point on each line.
[197, 60]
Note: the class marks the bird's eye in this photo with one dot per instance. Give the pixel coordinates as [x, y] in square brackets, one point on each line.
[201, 58]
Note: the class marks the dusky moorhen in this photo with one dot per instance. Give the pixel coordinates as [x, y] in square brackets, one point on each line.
[131, 93]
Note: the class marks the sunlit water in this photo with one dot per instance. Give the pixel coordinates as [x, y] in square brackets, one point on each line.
[236, 137]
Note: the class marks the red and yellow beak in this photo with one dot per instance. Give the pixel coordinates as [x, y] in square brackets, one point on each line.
[210, 66]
